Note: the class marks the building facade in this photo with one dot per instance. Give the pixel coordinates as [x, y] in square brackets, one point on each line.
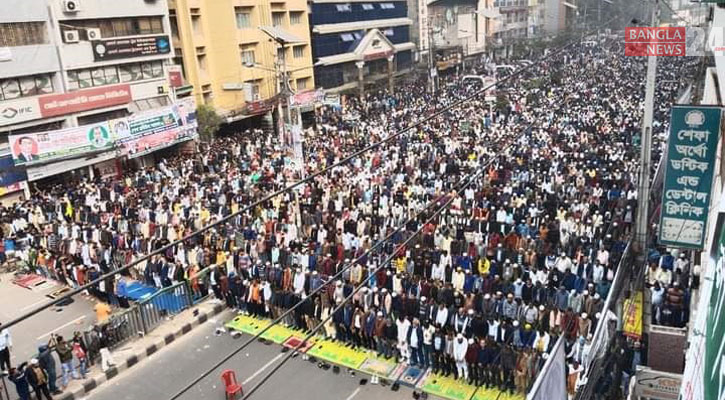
[359, 41]
[74, 63]
[233, 52]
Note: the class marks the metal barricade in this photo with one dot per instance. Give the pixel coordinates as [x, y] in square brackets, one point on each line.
[164, 304]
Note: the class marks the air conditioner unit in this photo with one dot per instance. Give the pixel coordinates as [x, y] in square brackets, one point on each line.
[93, 33]
[71, 36]
[71, 6]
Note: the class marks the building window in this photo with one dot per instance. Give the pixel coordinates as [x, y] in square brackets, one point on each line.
[280, 54]
[344, 7]
[196, 24]
[85, 78]
[244, 17]
[299, 51]
[114, 27]
[302, 83]
[347, 37]
[202, 62]
[389, 32]
[278, 18]
[22, 34]
[295, 17]
[368, 7]
[251, 91]
[387, 6]
[32, 85]
[248, 56]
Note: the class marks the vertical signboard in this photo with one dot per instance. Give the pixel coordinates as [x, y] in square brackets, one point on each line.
[693, 139]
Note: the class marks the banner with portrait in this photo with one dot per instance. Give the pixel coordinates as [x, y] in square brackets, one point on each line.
[35, 148]
[146, 132]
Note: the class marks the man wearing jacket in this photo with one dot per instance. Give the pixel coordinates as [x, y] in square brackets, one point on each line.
[38, 380]
[47, 362]
[415, 342]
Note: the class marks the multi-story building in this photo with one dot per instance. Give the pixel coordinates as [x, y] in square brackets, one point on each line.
[74, 63]
[457, 29]
[359, 41]
[560, 15]
[233, 52]
[513, 25]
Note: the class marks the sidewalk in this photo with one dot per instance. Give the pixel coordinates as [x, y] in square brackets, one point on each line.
[139, 349]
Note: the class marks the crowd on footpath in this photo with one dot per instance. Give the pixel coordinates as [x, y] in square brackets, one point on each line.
[526, 252]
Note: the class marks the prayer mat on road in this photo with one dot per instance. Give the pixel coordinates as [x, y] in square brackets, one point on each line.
[250, 325]
[447, 387]
[29, 281]
[495, 394]
[337, 353]
[295, 341]
[379, 367]
[409, 376]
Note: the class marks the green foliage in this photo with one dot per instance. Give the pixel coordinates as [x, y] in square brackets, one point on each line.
[209, 122]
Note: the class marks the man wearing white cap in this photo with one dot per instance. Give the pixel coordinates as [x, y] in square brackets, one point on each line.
[460, 347]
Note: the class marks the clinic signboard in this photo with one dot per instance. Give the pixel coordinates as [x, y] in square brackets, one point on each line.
[34, 148]
[693, 139]
[115, 49]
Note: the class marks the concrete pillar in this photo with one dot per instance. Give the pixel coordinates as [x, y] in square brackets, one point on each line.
[361, 77]
[391, 71]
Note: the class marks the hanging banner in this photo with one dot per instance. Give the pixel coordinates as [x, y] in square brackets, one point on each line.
[143, 133]
[694, 134]
[633, 308]
[550, 383]
[33, 148]
[12, 178]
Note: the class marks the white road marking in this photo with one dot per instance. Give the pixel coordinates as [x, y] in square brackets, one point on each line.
[61, 327]
[34, 304]
[353, 394]
[259, 371]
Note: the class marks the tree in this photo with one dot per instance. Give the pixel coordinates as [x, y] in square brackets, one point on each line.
[209, 122]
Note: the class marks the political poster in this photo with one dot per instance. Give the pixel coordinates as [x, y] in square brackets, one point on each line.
[143, 133]
[633, 308]
[692, 144]
[35, 148]
[12, 178]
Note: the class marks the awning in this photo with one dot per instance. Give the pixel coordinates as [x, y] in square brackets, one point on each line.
[280, 35]
[323, 29]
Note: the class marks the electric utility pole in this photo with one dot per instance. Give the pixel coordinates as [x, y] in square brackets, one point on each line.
[643, 190]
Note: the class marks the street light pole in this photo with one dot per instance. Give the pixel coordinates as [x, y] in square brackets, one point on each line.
[643, 190]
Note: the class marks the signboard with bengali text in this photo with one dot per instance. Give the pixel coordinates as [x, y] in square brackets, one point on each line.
[114, 49]
[83, 100]
[34, 148]
[693, 139]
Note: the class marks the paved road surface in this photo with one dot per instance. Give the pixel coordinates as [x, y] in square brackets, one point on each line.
[26, 335]
[166, 372]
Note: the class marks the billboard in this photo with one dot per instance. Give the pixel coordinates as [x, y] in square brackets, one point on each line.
[693, 139]
[33, 148]
[143, 133]
[114, 49]
[84, 100]
[12, 178]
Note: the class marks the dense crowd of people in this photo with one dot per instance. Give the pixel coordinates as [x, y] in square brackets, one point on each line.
[525, 253]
